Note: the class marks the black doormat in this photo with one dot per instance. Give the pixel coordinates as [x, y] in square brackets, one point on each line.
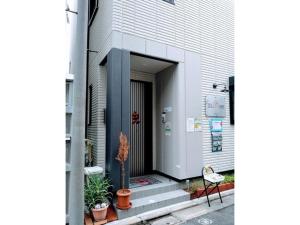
[135, 182]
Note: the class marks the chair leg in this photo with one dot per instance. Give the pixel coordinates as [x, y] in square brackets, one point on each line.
[219, 193]
[206, 192]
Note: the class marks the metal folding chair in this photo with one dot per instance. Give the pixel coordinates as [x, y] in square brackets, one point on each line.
[208, 175]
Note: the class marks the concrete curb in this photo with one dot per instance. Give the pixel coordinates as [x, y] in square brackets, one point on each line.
[169, 209]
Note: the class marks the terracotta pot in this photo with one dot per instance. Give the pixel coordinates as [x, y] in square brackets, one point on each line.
[123, 199]
[99, 214]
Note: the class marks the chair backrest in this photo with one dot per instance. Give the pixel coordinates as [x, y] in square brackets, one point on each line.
[207, 170]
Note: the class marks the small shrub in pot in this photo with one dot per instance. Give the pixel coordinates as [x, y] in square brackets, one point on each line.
[97, 196]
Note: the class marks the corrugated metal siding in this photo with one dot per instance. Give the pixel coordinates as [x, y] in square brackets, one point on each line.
[96, 131]
[101, 27]
[217, 71]
[203, 26]
[137, 131]
[100, 40]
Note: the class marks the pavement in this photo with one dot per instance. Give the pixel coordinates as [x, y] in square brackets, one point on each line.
[224, 216]
[190, 212]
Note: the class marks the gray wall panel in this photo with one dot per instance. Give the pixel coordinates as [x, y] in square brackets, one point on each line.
[118, 76]
[194, 144]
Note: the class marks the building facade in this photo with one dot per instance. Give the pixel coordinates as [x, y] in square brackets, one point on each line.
[152, 67]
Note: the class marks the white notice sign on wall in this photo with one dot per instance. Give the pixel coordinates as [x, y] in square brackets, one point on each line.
[168, 129]
[190, 125]
[197, 124]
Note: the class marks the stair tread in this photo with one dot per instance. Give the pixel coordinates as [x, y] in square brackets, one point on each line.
[153, 186]
[157, 198]
[146, 203]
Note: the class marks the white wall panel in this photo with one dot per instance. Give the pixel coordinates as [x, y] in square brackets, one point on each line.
[134, 43]
[170, 148]
[175, 54]
[154, 48]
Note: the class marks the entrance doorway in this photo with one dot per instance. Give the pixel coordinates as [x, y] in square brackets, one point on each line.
[140, 156]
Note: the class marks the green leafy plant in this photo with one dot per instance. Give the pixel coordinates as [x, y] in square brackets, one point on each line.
[198, 183]
[195, 185]
[229, 178]
[96, 192]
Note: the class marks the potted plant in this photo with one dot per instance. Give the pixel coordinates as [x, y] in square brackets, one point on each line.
[123, 195]
[97, 196]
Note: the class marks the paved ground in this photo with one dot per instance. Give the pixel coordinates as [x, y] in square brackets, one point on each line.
[218, 214]
[223, 216]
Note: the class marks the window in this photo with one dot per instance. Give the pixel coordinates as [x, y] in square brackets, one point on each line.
[90, 95]
[170, 1]
[93, 7]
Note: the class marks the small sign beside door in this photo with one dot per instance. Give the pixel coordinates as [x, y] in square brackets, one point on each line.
[215, 106]
[193, 124]
[135, 118]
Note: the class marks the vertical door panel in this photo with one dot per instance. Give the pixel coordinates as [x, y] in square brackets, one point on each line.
[137, 129]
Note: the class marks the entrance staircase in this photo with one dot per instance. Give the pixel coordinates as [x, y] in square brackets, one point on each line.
[153, 196]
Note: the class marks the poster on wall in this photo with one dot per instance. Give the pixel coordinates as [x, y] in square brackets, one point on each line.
[216, 141]
[197, 124]
[216, 125]
[216, 128]
[193, 124]
[215, 106]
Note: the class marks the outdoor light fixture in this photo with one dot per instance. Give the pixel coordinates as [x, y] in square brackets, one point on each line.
[223, 84]
[89, 50]
[68, 10]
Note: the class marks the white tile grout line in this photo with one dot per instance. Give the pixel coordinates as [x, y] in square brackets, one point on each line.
[170, 209]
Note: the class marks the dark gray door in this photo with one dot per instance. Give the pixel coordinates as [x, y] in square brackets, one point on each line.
[140, 155]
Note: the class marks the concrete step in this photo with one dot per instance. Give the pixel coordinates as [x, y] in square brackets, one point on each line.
[152, 202]
[166, 185]
[154, 189]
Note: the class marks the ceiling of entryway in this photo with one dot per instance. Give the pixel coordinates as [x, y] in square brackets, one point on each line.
[148, 65]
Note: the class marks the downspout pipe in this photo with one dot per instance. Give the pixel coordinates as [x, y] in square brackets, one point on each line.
[78, 68]
[90, 22]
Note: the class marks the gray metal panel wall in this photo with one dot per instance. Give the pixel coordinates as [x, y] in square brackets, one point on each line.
[137, 144]
[118, 94]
